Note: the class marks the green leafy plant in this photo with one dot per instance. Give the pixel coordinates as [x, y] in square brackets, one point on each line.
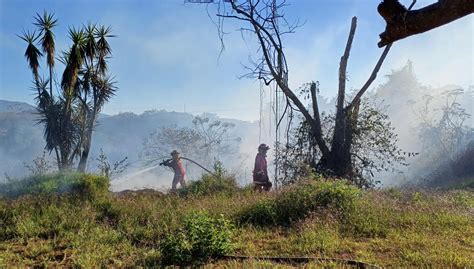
[299, 201]
[7, 222]
[210, 184]
[86, 185]
[262, 213]
[200, 239]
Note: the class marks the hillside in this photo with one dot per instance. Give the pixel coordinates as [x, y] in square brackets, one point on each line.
[84, 225]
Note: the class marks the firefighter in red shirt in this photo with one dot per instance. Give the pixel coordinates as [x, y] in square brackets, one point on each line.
[260, 173]
[178, 169]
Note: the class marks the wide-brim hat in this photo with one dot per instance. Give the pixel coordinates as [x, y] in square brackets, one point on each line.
[263, 146]
[174, 152]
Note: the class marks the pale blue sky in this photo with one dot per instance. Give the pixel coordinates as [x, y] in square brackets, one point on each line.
[165, 55]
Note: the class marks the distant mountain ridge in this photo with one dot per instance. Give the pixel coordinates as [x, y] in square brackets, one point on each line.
[15, 107]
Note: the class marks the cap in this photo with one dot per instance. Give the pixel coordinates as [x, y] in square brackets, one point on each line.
[263, 146]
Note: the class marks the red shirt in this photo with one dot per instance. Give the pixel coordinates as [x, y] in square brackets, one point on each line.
[260, 170]
[178, 167]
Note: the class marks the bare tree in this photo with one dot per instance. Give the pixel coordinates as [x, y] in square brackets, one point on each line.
[264, 19]
[108, 170]
[443, 132]
[402, 23]
[207, 141]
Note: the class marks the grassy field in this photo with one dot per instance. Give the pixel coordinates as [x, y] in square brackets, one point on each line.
[72, 220]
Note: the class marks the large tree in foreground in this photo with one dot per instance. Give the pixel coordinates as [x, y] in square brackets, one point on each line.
[266, 21]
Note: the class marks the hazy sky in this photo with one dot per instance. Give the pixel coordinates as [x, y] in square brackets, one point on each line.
[166, 53]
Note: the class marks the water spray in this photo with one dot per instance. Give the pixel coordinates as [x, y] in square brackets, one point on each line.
[132, 175]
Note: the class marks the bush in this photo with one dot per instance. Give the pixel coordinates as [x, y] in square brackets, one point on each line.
[299, 201]
[200, 239]
[89, 186]
[209, 184]
[262, 213]
[7, 222]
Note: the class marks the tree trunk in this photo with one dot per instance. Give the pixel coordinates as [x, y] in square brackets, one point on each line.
[85, 152]
[51, 83]
[83, 162]
[338, 161]
[87, 145]
[402, 23]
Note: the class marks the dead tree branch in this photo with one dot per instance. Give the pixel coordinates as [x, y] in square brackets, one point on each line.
[402, 23]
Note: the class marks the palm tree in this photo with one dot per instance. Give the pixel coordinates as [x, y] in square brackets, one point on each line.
[69, 119]
[74, 59]
[46, 23]
[96, 82]
[32, 54]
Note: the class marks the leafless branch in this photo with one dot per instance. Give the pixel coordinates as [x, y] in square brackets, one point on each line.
[372, 77]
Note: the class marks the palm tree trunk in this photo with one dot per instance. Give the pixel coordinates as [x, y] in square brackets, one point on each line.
[88, 141]
[51, 82]
[83, 162]
[58, 160]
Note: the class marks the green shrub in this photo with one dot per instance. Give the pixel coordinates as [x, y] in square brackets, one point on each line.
[200, 239]
[7, 222]
[89, 186]
[262, 213]
[209, 184]
[297, 204]
[299, 201]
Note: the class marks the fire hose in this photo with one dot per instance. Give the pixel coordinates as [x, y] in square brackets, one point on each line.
[204, 168]
[196, 163]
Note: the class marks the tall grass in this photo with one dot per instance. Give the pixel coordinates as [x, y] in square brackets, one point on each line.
[72, 220]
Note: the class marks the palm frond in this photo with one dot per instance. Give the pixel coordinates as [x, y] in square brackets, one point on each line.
[74, 61]
[63, 58]
[32, 53]
[102, 34]
[43, 99]
[91, 46]
[106, 90]
[87, 75]
[46, 23]
[102, 65]
[50, 114]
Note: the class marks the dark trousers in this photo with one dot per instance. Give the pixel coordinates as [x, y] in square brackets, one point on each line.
[262, 185]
